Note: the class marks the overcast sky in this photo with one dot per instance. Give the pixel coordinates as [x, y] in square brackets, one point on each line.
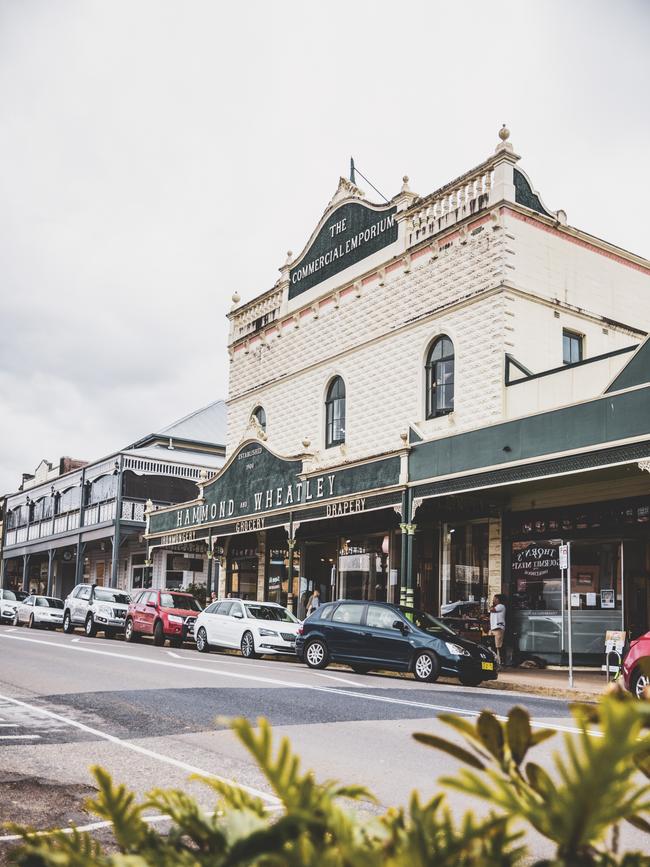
[157, 156]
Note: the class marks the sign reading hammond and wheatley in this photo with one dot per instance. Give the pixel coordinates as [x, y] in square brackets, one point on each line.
[349, 234]
[255, 481]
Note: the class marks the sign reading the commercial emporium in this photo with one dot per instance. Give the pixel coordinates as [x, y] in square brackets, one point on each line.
[255, 482]
[349, 234]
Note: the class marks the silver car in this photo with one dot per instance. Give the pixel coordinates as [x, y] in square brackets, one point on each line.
[38, 611]
[97, 609]
[8, 605]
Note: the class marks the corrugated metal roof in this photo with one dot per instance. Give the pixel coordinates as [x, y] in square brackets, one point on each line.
[205, 425]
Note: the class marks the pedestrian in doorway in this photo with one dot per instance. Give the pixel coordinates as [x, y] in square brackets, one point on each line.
[498, 623]
[213, 597]
[314, 602]
[228, 595]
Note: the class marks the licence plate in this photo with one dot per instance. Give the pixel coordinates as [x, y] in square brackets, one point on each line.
[487, 666]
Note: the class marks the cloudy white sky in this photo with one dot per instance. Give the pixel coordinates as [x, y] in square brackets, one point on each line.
[157, 155]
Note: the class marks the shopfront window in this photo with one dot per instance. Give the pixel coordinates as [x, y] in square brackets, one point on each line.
[277, 575]
[141, 575]
[596, 576]
[364, 568]
[242, 567]
[536, 577]
[465, 563]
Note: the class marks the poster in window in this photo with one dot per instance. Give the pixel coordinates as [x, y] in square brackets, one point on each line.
[607, 599]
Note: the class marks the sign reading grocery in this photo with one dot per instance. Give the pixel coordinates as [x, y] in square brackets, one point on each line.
[350, 234]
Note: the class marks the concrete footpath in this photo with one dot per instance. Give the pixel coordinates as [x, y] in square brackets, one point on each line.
[588, 684]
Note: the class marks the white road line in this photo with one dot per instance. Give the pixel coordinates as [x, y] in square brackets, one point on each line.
[19, 737]
[175, 655]
[339, 679]
[75, 639]
[96, 826]
[366, 696]
[13, 629]
[136, 748]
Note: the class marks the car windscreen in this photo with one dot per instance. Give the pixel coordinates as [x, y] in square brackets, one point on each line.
[425, 621]
[270, 612]
[179, 600]
[9, 594]
[47, 602]
[103, 594]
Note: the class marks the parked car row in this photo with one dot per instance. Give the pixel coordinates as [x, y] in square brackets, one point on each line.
[364, 635]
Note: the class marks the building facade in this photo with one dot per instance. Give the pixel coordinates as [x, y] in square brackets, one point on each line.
[438, 392]
[84, 522]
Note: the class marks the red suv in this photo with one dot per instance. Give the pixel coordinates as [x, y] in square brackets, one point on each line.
[165, 614]
[636, 665]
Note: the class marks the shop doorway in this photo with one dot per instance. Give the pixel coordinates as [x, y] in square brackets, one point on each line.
[242, 567]
[636, 556]
[319, 571]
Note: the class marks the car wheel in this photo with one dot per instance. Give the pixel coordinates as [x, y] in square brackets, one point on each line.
[316, 654]
[67, 623]
[158, 634]
[467, 680]
[639, 682]
[360, 669]
[129, 632]
[91, 630]
[31, 623]
[15, 621]
[426, 667]
[248, 646]
[202, 641]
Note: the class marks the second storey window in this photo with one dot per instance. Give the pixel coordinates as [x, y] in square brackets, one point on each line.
[335, 413]
[440, 377]
[260, 416]
[571, 347]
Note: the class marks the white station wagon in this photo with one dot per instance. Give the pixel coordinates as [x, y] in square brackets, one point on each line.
[256, 628]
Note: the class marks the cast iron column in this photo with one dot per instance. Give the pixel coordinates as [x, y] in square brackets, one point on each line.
[26, 572]
[116, 531]
[208, 590]
[50, 563]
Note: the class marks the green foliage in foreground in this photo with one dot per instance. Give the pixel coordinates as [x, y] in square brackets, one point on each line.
[578, 805]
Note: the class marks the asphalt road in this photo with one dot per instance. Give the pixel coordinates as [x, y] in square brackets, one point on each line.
[153, 716]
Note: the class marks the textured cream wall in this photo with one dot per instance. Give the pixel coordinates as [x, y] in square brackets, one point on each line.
[377, 342]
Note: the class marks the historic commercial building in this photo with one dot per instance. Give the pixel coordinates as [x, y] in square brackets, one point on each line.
[77, 521]
[437, 392]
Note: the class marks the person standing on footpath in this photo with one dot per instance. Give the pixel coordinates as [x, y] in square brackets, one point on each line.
[498, 623]
[314, 602]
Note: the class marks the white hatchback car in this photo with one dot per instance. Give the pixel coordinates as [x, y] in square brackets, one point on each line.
[256, 628]
[40, 611]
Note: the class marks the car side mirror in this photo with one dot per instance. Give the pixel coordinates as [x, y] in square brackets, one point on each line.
[399, 624]
[150, 604]
[238, 615]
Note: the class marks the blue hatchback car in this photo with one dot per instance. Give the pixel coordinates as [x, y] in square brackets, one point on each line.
[377, 635]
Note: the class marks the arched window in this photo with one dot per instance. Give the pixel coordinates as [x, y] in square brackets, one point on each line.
[260, 416]
[335, 413]
[440, 377]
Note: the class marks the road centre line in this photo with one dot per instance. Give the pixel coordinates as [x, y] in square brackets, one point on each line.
[152, 754]
[288, 683]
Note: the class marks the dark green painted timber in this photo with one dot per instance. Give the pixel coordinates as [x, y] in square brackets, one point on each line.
[585, 425]
[255, 482]
[636, 371]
